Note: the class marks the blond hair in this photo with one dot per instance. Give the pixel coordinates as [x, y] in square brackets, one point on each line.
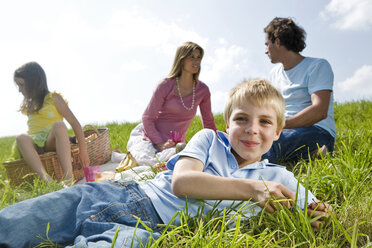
[183, 51]
[260, 92]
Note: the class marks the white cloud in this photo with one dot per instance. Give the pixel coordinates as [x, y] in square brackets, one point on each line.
[222, 41]
[225, 61]
[134, 66]
[349, 14]
[218, 100]
[140, 28]
[356, 87]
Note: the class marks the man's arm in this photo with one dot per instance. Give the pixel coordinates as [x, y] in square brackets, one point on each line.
[316, 112]
[189, 180]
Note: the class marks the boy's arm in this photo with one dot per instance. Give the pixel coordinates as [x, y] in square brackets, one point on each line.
[189, 180]
[65, 111]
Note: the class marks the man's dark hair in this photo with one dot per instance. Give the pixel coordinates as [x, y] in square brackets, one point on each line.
[290, 35]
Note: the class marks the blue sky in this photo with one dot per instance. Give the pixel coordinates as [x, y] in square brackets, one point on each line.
[106, 57]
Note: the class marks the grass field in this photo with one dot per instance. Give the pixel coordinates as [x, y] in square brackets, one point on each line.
[343, 179]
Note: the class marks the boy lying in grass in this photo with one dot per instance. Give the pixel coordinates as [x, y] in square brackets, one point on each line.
[213, 166]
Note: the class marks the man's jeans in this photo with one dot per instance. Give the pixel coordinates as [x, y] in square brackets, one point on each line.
[297, 143]
[83, 215]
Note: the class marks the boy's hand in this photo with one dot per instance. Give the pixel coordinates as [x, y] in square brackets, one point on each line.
[319, 209]
[264, 191]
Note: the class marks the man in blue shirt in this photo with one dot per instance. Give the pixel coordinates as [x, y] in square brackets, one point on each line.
[213, 166]
[307, 87]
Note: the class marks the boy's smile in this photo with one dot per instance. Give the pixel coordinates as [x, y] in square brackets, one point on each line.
[248, 143]
[251, 132]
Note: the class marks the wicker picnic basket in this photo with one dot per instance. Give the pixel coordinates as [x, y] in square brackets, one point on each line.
[98, 144]
[99, 151]
[18, 171]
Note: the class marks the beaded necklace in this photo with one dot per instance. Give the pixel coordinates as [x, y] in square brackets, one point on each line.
[193, 95]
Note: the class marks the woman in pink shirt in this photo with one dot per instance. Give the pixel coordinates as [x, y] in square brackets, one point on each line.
[172, 108]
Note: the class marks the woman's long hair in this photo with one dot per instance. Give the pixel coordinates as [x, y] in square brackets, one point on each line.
[182, 52]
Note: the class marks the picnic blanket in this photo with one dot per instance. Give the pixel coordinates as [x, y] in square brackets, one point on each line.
[137, 173]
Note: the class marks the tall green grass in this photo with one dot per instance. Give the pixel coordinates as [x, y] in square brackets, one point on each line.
[342, 178]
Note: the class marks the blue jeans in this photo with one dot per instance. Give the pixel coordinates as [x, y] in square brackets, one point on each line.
[297, 143]
[85, 215]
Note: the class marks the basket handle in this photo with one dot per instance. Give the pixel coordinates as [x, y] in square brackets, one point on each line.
[92, 127]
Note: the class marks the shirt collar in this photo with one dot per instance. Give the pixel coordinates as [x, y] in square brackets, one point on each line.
[261, 165]
[222, 137]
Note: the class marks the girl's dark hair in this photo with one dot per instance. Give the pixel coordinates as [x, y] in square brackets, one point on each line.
[290, 35]
[36, 87]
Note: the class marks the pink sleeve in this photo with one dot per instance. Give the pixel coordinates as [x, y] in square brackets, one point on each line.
[151, 113]
[206, 111]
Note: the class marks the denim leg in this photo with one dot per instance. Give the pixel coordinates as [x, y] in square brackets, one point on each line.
[23, 221]
[99, 229]
[84, 213]
[128, 236]
[297, 143]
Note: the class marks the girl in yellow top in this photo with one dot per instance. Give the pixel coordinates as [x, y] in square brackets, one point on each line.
[46, 130]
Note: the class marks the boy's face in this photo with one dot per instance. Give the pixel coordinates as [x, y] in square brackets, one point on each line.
[251, 132]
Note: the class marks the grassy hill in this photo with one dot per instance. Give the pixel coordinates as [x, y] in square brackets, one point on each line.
[343, 179]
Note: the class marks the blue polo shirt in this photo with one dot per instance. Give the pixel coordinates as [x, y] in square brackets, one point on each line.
[214, 151]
